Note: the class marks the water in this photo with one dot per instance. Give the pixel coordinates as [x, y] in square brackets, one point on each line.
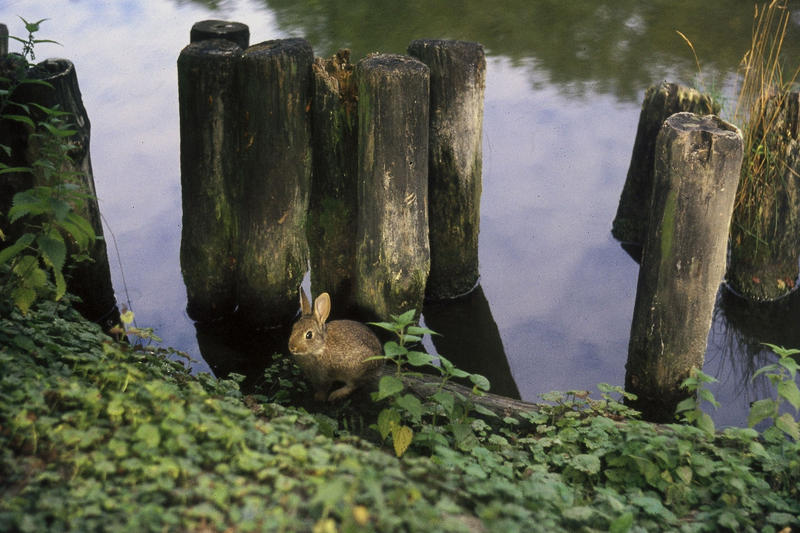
[565, 82]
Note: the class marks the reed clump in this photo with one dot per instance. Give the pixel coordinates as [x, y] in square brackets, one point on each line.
[765, 229]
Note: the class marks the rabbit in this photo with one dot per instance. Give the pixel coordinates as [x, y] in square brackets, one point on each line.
[336, 351]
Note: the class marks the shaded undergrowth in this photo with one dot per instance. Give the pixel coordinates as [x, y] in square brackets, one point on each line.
[97, 435]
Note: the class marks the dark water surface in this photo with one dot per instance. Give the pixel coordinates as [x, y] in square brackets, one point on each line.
[564, 86]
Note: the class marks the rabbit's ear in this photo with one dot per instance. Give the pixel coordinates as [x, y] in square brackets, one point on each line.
[305, 305]
[322, 307]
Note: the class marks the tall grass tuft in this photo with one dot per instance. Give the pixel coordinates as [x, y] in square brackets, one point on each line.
[762, 113]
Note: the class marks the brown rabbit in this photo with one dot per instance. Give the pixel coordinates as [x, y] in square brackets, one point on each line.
[332, 352]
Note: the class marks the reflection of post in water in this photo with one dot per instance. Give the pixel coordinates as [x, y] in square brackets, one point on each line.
[696, 171]
[470, 339]
[750, 324]
[228, 346]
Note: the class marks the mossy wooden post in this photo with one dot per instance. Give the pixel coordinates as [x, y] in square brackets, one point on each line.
[210, 129]
[696, 173]
[3, 40]
[393, 257]
[660, 101]
[333, 211]
[275, 171]
[235, 32]
[765, 234]
[458, 79]
[90, 280]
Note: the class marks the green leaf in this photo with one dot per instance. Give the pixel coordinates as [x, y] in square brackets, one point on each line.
[9, 170]
[419, 358]
[761, 410]
[24, 119]
[387, 419]
[417, 330]
[788, 391]
[705, 423]
[689, 404]
[149, 434]
[788, 425]
[781, 351]
[621, 524]
[586, 463]
[388, 386]
[446, 400]
[61, 284]
[401, 439]
[479, 381]
[53, 249]
[392, 349]
[410, 404]
[19, 245]
[23, 298]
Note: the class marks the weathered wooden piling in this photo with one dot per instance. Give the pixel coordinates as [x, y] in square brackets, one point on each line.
[765, 233]
[210, 120]
[697, 163]
[333, 210]
[235, 32]
[393, 255]
[275, 169]
[90, 280]
[3, 40]
[457, 82]
[660, 101]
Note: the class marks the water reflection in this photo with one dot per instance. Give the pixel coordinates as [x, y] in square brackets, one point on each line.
[611, 46]
[468, 336]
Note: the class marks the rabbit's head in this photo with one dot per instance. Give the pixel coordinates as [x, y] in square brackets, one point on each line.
[308, 333]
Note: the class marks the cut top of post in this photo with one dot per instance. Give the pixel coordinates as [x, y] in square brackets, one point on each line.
[220, 29]
[3, 40]
[689, 122]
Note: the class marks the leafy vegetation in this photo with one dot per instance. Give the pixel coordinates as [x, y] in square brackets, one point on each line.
[49, 229]
[100, 435]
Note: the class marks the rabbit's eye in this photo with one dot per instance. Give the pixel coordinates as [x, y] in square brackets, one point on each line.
[309, 334]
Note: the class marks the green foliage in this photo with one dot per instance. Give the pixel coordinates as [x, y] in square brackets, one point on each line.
[782, 376]
[444, 418]
[51, 227]
[97, 435]
[689, 410]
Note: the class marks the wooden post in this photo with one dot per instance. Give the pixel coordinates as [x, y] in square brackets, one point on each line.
[696, 172]
[333, 211]
[458, 78]
[210, 128]
[274, 161]
[90, 280]
[765, 233]
[3, 40]
[660, 101]
[393, 255]
[220, 29]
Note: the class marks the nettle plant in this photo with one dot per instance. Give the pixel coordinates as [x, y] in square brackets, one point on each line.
[444, 417]
[48, 228]
[781, 375]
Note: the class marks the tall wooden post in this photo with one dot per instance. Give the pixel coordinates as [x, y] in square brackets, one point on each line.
[660, 101]
[275, 87]
[210, 120]
[458, 79]
[333, 211]
[393, 255]
[696, 173]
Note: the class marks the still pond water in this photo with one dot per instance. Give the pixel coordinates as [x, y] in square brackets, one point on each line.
[564, 87]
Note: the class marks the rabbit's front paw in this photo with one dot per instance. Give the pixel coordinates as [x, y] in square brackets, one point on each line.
[340, 393]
